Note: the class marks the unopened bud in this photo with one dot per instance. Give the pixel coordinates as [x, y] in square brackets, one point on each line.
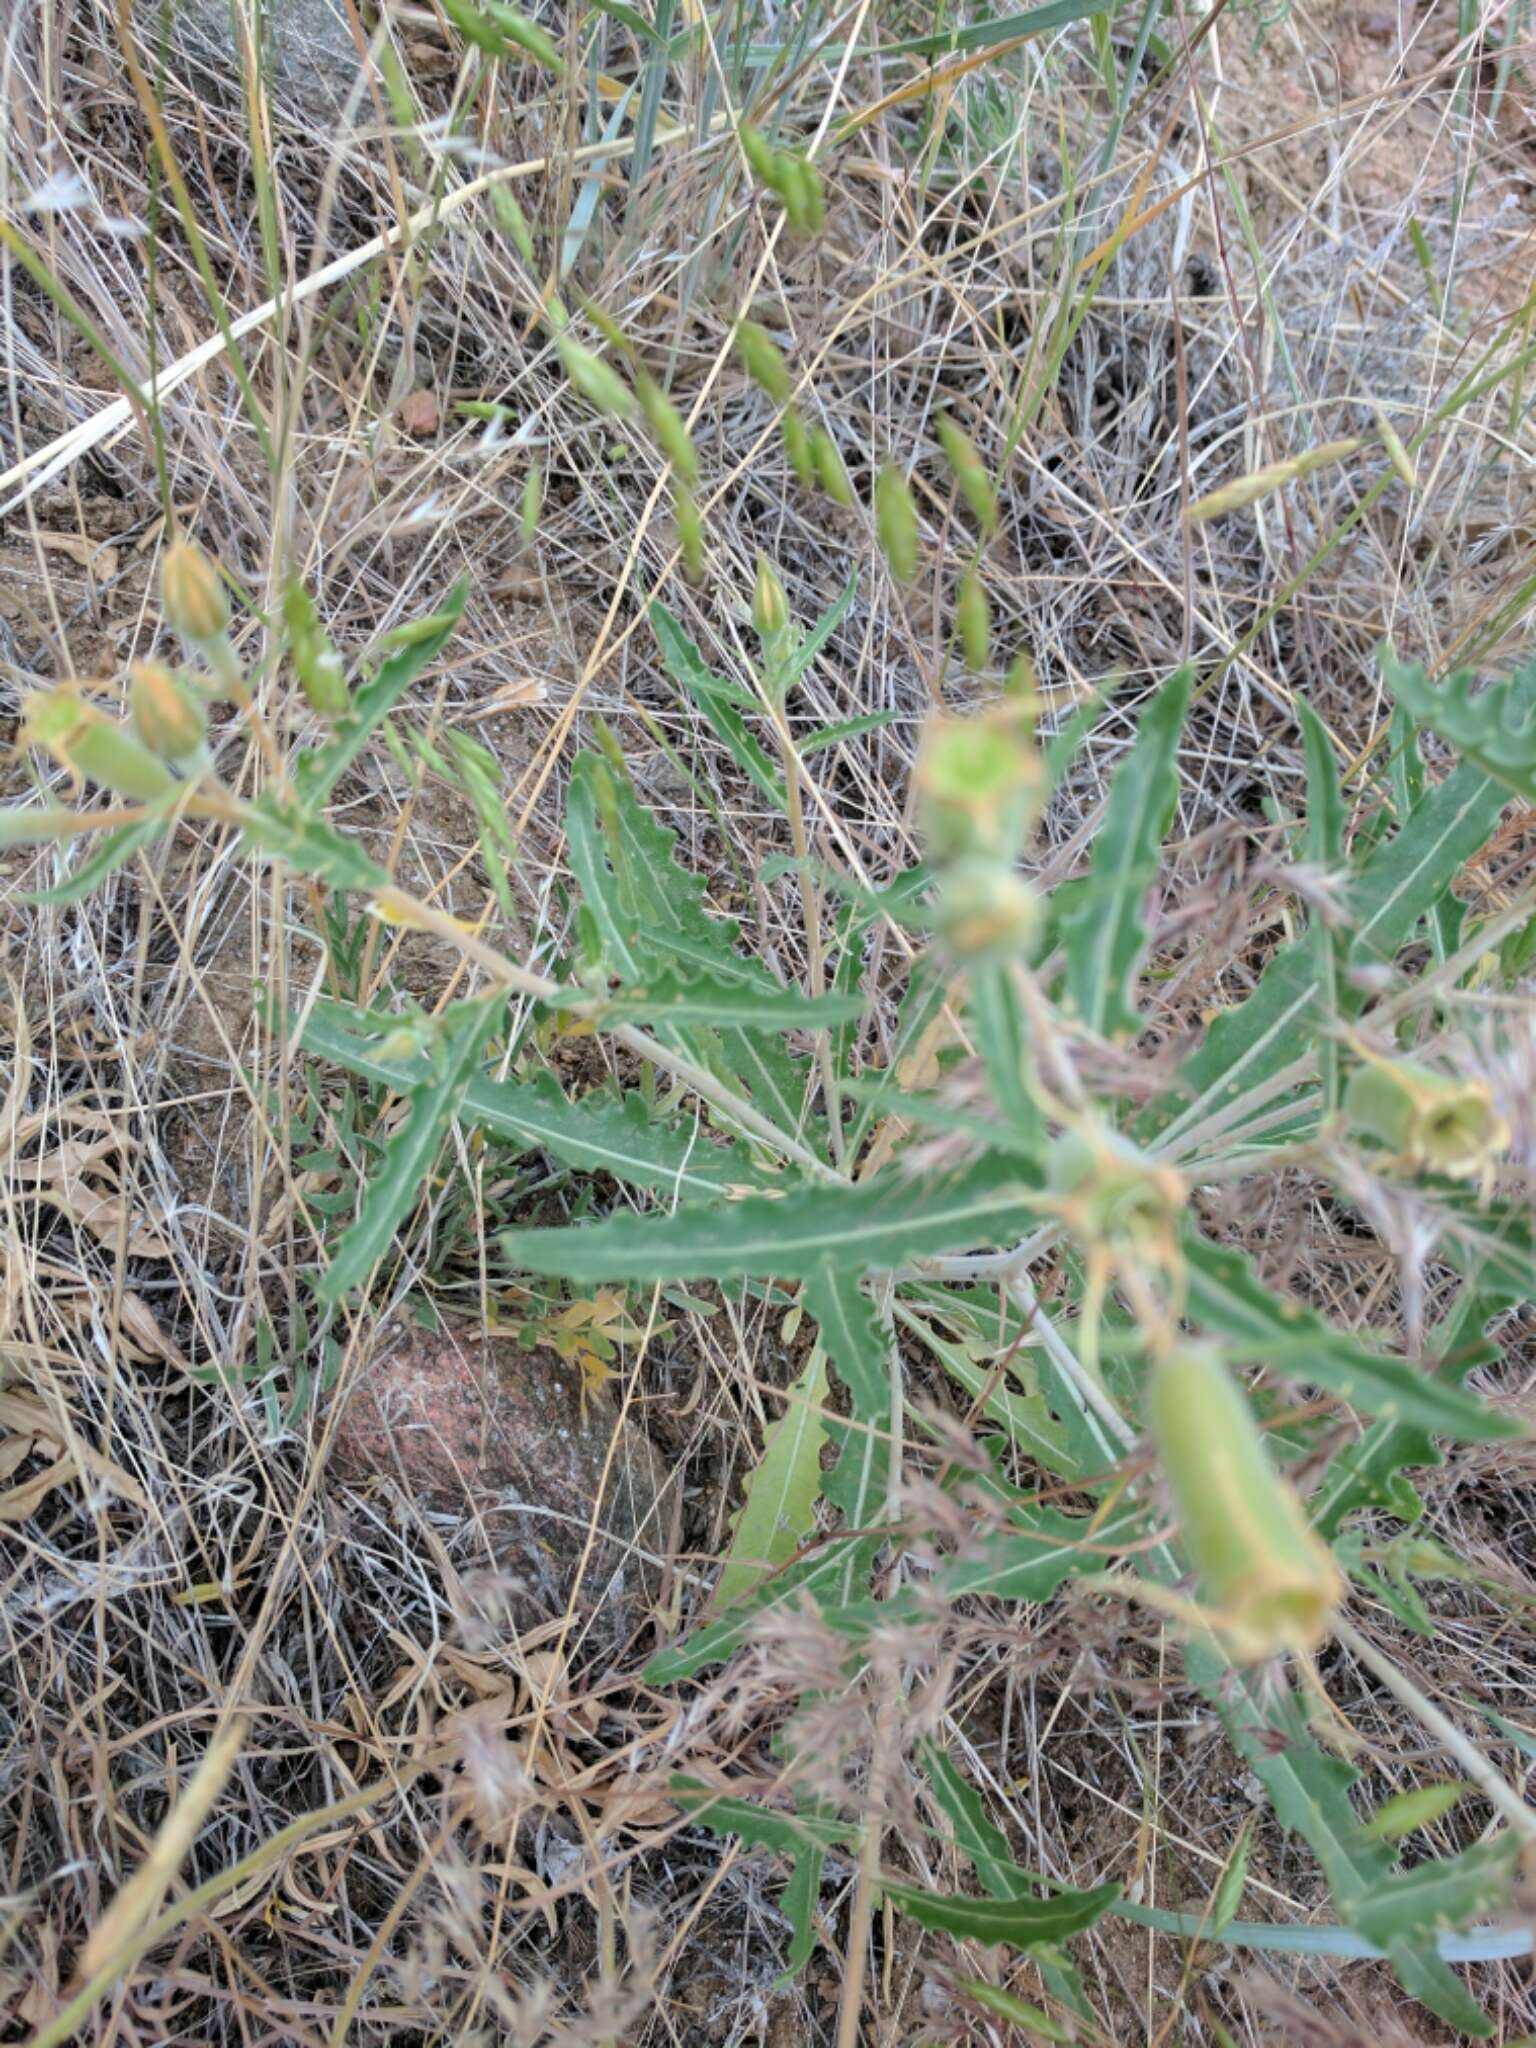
[980, 783]
[192, 594]
[166, 716]
[90, 745]
[770, 606]
[985, 912]
[1110, 1192]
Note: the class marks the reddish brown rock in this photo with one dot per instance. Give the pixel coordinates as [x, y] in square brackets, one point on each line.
[477, 1425]
[419, 416]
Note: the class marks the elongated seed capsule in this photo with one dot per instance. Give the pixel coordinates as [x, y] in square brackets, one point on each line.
[896, 523]
[1435, 1123]
[166, 716]
[973, 622]
[690, 536]
[1274, 476]
[763, 361]
[797, 446]
[970, 473]
[191, 593]
[1270, 1582]
[830, 470]
[596, 380]
[87, 743]
[666, 423]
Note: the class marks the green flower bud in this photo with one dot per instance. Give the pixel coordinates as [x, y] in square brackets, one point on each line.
[1109, 1192]
[980, 783]
[985, 912]
[192, 594]
[1435, 1124]
[770, 606]
[1271, 1581]
[763, 361]
[666, 423]
[90, 745]
[166, 715]
[973, 622]
[896, 523]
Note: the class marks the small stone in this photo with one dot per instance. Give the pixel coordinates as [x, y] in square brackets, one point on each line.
[476, 1424]
[419, 415]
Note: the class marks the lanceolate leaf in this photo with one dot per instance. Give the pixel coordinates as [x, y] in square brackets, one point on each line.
[597, 1133]
[1104, 936]
[702, 998]
[782, 1489]
[312, 846]
[692, 674]
[1275, 1027]
[758, 1826]
[877, 1224]
[1225, 1295]
[409, 1154]
[317, 773]
[1022, 1922]
[114, 850]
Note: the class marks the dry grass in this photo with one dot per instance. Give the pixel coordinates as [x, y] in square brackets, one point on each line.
[191, 1557]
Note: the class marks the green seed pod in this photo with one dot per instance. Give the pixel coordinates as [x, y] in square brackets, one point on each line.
[597, 381]
[970, 474]
[973, 622]
[830, 471]
[1435, 1124]
[1271, 1581]
[763, 361]
[319, 668]
[896, 523]
[81, 739]
[797, 446]
[690, 536]
[1109, 1192]
[666, 423]
[985, 912]
[192, 594]
[166, 715]
[533, 503]
[979, 783]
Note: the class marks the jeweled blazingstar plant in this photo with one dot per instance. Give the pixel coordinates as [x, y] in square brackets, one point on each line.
[1161, 1418]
